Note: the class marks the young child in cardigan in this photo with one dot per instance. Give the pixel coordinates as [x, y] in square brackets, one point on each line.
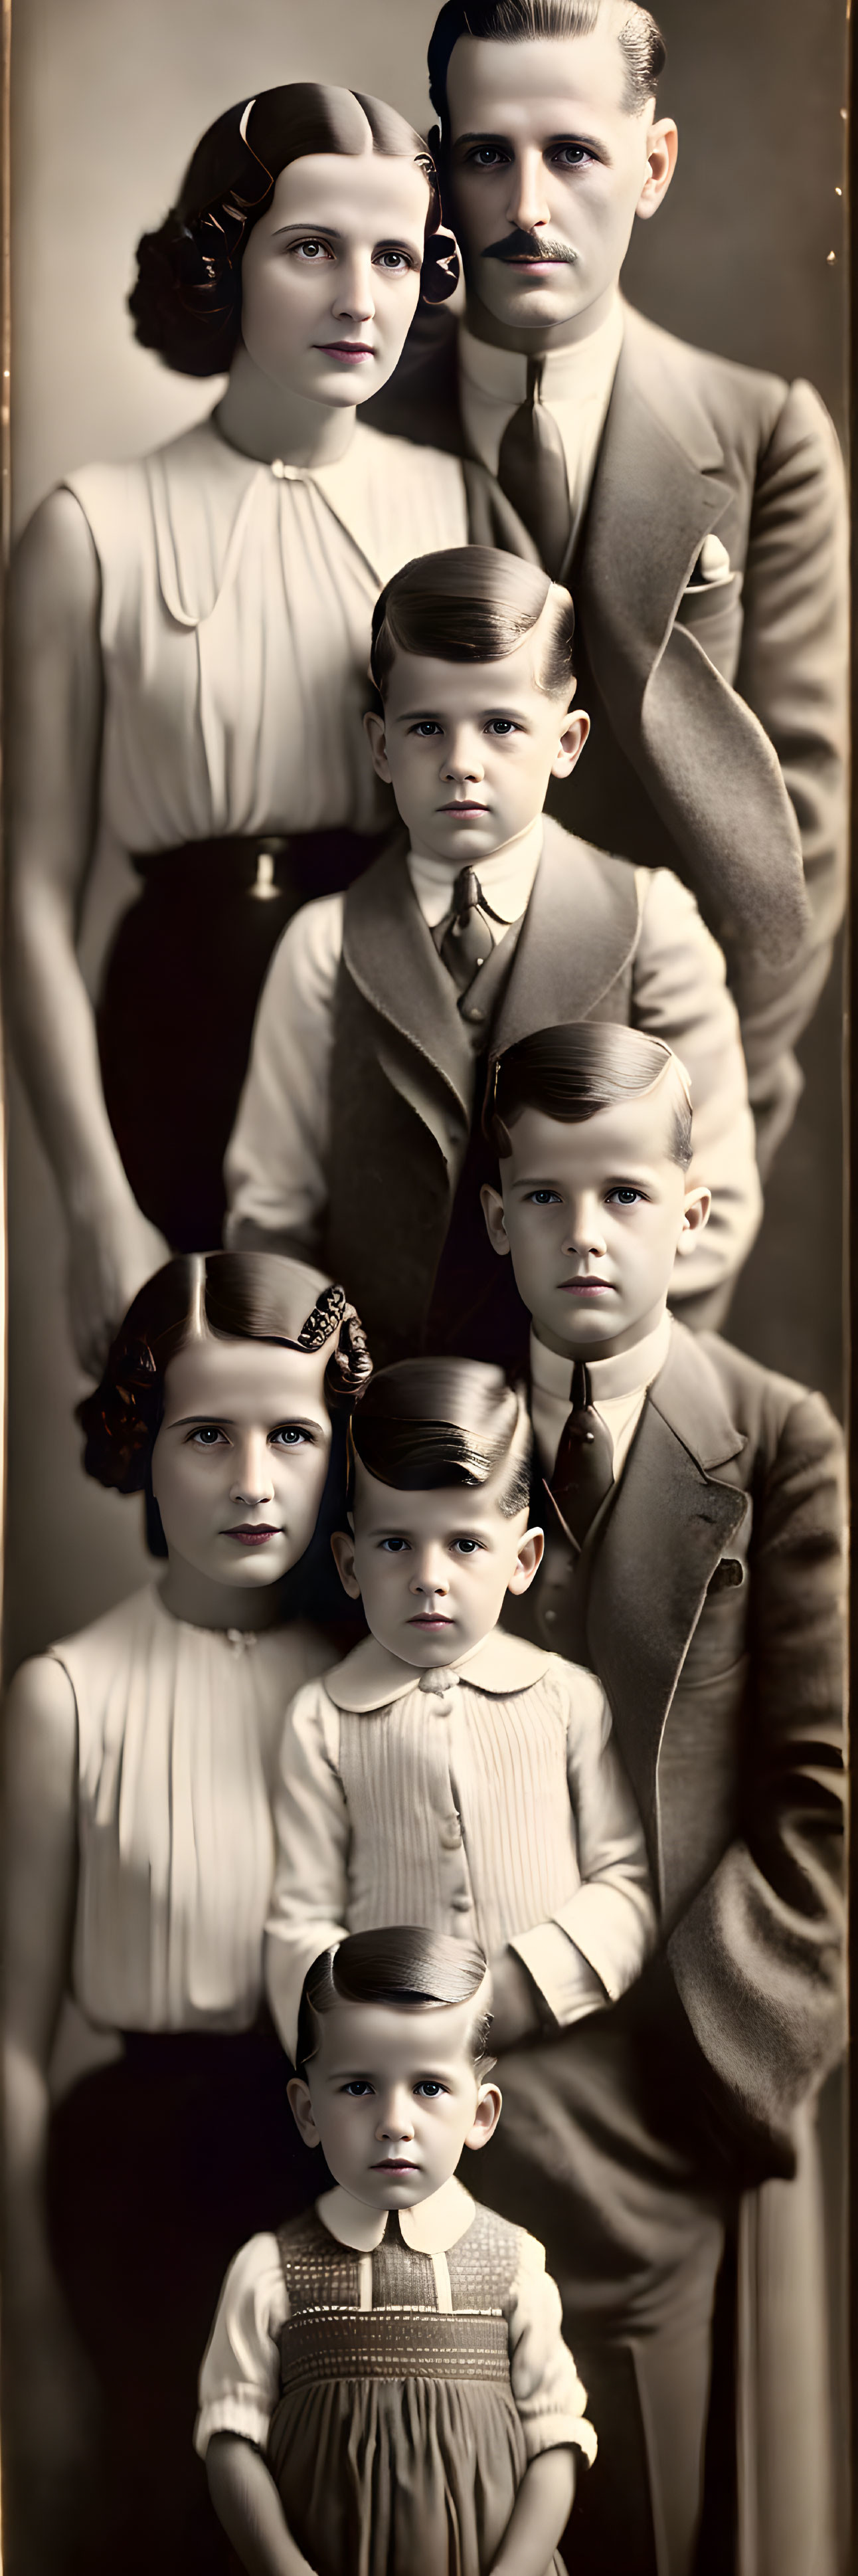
[358, 1134]
[444, 1772]
[386, 2391]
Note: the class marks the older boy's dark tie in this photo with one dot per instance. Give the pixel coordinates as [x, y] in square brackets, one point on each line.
[464, 939]
[584, 1466]
[532, 473]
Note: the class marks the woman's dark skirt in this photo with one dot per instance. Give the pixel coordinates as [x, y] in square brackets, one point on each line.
[175, 1019]
[160, 2167]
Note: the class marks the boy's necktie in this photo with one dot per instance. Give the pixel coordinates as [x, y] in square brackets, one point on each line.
[464, 939]
[532, 473]
[584, 1466]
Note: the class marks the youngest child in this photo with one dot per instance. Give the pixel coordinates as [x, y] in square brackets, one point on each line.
[445, 1773]
[386, 2391]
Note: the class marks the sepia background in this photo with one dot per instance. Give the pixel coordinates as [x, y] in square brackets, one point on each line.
[108, 98]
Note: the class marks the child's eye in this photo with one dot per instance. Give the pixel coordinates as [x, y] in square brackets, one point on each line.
[467, 1546]
[393, 1546]
[430, 2087]
[486, 156]
[425, 729]
[624, 1196]
[571, 156]
[501, 726]
[543, 1198]
[356, 2087]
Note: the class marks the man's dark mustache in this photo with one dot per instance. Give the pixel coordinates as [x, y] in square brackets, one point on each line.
[519, 245]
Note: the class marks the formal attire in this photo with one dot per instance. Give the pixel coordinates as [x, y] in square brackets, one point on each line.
[236, 600]
[485, 1799]
[707, 1597]
[707, 558]
[160, 2158]
[358, 1135]
[399, 2373]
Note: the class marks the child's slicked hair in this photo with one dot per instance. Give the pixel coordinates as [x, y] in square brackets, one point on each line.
[474, 604]
[402, 1963]
[428, 1423]
[570, 1073]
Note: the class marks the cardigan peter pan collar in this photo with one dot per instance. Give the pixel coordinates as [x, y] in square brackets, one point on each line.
[370, 1677]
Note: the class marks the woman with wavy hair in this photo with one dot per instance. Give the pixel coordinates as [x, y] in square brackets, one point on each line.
[192, 640]
[140, 1856]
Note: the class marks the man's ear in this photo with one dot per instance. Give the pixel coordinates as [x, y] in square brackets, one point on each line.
[486, 2116]
[373, 726]
[662, 149]
[492, 1207]
[574, 731]
[697, 1206]
[302, 2110]
[528, 1560]
[343, 1553]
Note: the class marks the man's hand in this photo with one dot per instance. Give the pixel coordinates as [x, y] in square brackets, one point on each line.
[515, 2013]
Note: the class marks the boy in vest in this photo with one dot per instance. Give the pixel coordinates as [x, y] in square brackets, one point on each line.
[356, 1137]
[694, 1523]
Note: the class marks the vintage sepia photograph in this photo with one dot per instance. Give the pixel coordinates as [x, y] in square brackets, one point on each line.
[425, 733]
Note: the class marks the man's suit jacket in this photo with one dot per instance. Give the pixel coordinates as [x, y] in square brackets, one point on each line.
[708, 1598]
[403, 1074]
[718, 711]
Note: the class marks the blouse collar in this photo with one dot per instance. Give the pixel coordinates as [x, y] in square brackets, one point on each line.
[430, 2227]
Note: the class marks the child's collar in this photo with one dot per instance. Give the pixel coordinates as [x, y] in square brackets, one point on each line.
[624, 1374]
[430, 2227]
[370, 1677]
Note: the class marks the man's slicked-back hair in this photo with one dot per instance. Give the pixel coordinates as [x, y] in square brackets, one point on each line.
[512, 22]
[429, 1423]
[474, 604]
[572, 1072]
[401, 1963]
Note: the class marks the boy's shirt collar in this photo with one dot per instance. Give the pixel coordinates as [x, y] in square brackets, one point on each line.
[431, 2227]
[506, 879]
[370, 1677]
[625, 1373]
[618, 1387]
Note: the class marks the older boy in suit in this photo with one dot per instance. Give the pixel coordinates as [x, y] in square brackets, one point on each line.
[693, 1563]
[355, 1129]
[694, 506]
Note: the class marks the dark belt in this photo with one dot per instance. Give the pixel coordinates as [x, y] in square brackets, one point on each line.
[261, 864]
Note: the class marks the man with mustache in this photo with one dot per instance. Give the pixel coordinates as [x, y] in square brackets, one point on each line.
[694, 507]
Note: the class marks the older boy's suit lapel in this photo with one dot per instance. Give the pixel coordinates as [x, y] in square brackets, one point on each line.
[675, 1514]
[578, 934]
[704, 758]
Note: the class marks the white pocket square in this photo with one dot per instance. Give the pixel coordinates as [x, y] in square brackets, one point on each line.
[713, 566]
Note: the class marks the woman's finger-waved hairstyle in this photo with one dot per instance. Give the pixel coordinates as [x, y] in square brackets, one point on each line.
[186, 302]
[429, 1423]
[401, 1963]
[236, 1296]
[474, 604]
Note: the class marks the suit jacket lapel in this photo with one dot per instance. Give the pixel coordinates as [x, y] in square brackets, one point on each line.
[578, 933]
[656, 494]
[672, 1519]
[425, 1051]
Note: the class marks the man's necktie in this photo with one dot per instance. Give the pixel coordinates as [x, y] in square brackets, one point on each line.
[532, 473]
[464, 940]
[584, 1466]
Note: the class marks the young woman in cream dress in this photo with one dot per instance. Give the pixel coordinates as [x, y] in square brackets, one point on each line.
[192, 643]
[140, 1855]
